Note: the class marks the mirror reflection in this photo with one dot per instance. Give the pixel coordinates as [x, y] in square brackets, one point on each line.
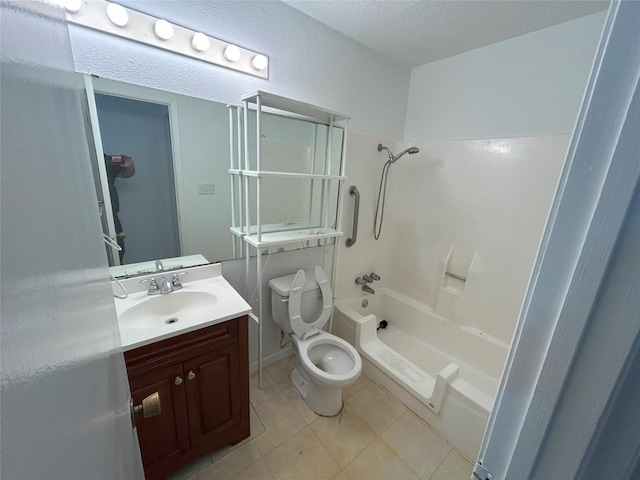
[164, 186]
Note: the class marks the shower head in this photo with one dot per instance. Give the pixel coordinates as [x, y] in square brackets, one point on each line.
[410, 151]
[392, 157]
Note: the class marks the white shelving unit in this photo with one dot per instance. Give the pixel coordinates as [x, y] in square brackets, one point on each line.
[259, 236]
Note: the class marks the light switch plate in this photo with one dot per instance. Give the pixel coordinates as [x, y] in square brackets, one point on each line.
[206, 189]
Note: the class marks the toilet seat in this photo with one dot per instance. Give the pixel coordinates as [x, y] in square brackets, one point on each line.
[298, 325]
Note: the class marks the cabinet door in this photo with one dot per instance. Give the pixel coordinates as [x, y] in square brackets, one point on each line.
[213, 388]
[165, 437]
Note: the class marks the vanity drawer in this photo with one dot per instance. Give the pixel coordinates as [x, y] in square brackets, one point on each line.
[181, 347]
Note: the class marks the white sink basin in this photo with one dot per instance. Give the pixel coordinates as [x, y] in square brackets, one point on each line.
[161, 310]
[206, 299]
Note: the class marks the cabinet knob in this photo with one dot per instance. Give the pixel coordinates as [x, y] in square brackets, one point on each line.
[191, 375]
[178, 381]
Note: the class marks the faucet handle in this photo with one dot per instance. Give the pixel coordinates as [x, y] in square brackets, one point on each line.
[360, 281]
[175, 280]
[367, 278]
[375, 276]
[153, 285]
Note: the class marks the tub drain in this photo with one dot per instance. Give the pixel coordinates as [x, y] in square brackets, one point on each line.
[170, 321]
[383, 325]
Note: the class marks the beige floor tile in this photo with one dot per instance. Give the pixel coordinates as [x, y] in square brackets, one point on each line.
[269, 389]
[191, 470]
[231, 465]
[340, 476]
[416, 444]
[454, 467]
[256, 429]
[362, 382]
[281, 421]
[344, 436]
[256, 426]
[302, 457]
[258, 471]
[378, 462]
[280, 371]
[222, 452]
[300, 405]
[376, 407]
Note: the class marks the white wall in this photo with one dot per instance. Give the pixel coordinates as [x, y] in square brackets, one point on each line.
[308, 61]
[525, 86]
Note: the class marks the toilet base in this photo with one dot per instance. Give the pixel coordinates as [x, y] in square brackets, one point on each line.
[325, 401]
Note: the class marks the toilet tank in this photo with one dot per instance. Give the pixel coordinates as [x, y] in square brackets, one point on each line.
[311, 302]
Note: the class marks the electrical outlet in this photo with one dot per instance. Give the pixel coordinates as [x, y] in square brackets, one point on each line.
[206, 189]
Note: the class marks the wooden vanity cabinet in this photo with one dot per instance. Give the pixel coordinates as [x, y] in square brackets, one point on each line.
[203, 381]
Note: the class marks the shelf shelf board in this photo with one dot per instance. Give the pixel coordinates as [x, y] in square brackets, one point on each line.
[266, 173]
[292, 236]
[274, 227]
[288, 105]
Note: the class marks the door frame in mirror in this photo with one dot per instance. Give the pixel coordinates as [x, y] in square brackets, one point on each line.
[95, 85]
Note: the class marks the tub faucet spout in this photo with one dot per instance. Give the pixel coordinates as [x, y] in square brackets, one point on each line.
[368, 289]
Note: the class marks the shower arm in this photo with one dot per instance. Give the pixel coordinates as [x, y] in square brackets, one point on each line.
[382, 147]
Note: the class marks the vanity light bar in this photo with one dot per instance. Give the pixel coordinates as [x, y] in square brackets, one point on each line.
[124, 22]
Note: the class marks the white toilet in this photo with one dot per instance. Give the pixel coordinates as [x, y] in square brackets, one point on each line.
[326, 363]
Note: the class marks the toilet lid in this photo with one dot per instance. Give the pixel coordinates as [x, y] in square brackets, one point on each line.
[298, 325]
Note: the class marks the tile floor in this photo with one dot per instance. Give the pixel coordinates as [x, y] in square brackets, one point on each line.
[374, 437]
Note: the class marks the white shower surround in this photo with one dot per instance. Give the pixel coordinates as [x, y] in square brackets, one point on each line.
[473, 207]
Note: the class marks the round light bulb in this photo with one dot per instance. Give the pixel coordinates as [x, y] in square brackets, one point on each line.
[72, 6]
[163, 30]
[117, 14]
[259, 62]
[232, 53]
[200, 42]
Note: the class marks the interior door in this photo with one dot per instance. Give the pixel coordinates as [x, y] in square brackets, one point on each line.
[100, 175]
[65, 394]
[560, 410]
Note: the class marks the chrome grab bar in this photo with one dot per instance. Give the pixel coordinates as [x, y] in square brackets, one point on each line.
[353, 190]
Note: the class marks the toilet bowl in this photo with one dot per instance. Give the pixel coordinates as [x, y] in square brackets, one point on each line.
[326, 364]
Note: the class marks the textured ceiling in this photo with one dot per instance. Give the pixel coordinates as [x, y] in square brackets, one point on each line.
[417, 32]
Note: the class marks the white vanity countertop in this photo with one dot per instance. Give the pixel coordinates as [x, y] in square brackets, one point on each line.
[206, 299]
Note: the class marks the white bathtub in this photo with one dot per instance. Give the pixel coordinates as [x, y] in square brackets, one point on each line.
[446, 373]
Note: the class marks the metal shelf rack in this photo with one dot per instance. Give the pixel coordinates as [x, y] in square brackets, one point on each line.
[259, 236]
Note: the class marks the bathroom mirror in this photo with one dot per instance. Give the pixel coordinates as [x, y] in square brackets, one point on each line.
[181, 200]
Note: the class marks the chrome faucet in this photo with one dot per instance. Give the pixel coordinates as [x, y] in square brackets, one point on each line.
[167, 284]
[368, 289]
[159, 266]
[363, 283]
